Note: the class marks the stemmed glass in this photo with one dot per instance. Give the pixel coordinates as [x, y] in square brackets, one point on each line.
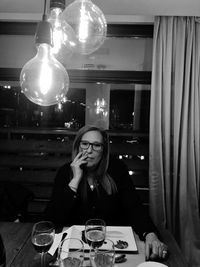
[95, 232]
[42, 238]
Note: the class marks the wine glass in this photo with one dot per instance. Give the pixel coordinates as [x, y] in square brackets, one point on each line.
[95, 232]
[42, 238]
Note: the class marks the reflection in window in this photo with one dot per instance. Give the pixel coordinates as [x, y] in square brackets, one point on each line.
[17, 111]
[129, 109]
[121, 109]
[116, 106]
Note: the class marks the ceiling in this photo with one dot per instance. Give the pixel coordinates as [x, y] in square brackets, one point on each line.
[115, 10]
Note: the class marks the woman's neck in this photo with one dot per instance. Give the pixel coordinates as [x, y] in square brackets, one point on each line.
[92, 181]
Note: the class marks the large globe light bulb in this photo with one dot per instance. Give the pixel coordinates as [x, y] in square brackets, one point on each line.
[88, 23]
[64, 39]
[43, 79]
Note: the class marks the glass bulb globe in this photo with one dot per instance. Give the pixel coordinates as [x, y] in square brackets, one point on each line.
[43, 79]
[88, 23]
[64, 39]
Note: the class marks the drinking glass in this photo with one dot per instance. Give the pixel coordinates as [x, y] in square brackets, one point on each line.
[71, 253]
[104, 256]
[95, 232]
[42, 238]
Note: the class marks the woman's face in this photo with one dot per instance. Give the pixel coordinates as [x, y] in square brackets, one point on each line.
[92, 144]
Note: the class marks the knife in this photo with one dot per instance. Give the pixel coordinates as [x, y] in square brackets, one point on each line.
[54, 260]
[63, 237]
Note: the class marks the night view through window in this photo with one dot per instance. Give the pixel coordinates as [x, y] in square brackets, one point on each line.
[17, 110]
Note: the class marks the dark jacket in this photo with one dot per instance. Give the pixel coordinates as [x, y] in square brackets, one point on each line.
[66, 208]
[14, 200]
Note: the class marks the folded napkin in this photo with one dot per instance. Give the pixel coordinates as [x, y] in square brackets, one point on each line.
[57, 240]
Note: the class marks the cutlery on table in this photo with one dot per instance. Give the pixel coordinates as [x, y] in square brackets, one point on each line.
[54, 261]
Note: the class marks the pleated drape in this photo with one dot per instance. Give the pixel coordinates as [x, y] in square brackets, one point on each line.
[174, 171]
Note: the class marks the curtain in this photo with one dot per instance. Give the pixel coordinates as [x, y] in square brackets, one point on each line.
[174, 169]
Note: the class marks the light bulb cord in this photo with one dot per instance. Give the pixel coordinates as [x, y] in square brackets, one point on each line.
[44, 16]
[44, 29]
[57, 4]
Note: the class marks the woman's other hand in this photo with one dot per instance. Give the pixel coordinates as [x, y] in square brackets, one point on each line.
[154, 248]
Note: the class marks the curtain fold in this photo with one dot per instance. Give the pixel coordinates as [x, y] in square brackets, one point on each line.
[174, 131]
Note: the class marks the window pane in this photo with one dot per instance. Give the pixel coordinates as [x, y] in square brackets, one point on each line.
[117, 54]
[129, 107]
[17, 110]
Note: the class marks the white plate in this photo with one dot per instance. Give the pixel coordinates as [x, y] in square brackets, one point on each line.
[151, 264]
[115, 233]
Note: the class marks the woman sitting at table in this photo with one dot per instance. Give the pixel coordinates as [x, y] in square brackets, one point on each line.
[94, 185]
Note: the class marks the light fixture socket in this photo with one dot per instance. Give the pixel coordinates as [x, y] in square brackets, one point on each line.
[44, 33]
[57, 3]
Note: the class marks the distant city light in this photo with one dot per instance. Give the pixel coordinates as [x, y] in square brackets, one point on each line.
[7, 86]
[141, 157]
[101, 106]
[59, 106]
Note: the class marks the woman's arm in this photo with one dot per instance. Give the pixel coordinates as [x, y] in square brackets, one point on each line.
[139, 218]
[134, 212]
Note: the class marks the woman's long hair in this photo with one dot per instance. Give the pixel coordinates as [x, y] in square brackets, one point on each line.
[101, 175]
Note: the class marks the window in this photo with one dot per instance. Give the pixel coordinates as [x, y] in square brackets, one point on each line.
[17, 111]
[123, 63]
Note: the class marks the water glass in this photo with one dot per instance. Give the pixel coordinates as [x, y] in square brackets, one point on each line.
[71, 253]
[104, 256]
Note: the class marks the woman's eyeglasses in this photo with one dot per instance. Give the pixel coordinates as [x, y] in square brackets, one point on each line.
[95, 146]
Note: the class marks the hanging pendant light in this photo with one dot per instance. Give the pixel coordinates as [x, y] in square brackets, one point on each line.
[64, 40]
[43, 79]
[88, 23]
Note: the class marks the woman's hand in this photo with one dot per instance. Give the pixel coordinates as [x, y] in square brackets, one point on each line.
[154, 248]
[76, 164]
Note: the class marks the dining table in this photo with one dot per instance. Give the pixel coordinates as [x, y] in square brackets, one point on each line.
[21, 253]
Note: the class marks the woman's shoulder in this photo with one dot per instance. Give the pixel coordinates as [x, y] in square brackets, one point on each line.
[63, 172]
[119, 172]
